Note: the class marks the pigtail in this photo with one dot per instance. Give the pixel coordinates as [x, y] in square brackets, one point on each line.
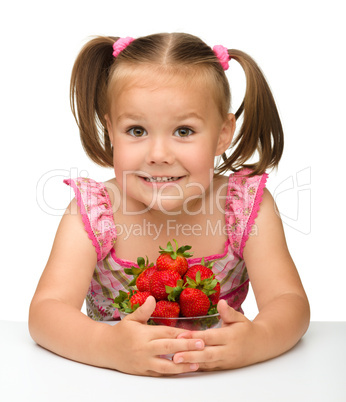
[88, 98]
[261, 129]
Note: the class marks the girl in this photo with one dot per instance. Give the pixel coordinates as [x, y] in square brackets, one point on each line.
[156, 109]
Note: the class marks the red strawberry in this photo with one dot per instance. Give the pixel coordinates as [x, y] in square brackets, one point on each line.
[174, 260]
[159, 280]
[192, 271]
[138, 298]
[193, 302]
[167, 309]
[215, 297]
[202, 277]
[137, 271]
[143, 279]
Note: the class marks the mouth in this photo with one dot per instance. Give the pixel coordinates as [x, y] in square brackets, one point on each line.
[161, 179]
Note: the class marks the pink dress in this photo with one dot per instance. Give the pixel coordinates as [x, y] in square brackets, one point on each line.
[243, 200]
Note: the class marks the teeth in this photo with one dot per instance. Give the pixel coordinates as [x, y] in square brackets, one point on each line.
[160, 179]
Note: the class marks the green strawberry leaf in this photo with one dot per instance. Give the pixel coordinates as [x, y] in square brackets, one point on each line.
[174, 293]
[136, 271]
[208, 264]
[198, 278]
[121, 297]
[212, 310]
[208, 292]
[122, 301]
[167, 250]
[183, 251]
[178, 251]
[135, 307]
[209, 283]
[133, 282]
[133, 271]
[208, 286]
[191, 282]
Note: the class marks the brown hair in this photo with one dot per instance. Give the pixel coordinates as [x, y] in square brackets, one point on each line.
[95, 68]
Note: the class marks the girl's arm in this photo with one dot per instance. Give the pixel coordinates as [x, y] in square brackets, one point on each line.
[57, 323]
[284, 312]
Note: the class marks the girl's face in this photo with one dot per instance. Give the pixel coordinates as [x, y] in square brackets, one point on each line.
[165, 137]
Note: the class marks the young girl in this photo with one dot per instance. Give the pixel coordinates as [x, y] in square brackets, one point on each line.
[156, 109]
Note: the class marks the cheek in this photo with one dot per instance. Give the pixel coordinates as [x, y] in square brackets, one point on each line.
[121, 152]
[203, 157]
[202, 171]
[120, 163]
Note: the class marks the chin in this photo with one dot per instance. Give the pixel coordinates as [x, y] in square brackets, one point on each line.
[168, 207]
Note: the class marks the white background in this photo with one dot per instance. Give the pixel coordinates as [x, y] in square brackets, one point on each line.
[300, 46]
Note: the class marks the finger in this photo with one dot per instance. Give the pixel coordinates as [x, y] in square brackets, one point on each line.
[207, 355]
[227, 314]
[164, 347]
[143, 313]
[209, 336]
[185, 335]
[168, 367]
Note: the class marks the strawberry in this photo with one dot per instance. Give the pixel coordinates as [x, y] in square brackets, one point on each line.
[138, 298]
[167, 309]
[143, 279]
[137, 271]
[215, 297]
[193, 302]
[160, 279]
[202, 277]
[192, 271]
[174, 260]
[130, 301]
[204, 267]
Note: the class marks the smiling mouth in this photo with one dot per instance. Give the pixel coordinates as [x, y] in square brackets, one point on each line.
[163, 179]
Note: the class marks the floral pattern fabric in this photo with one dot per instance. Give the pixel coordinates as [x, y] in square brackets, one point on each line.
[243, 200]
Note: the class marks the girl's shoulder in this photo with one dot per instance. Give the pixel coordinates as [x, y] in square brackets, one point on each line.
[94, 193]
[242, 179]
[96, 209]
[239, 187]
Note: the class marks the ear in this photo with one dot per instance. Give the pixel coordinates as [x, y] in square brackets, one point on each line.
[109, 127]
[226, 134]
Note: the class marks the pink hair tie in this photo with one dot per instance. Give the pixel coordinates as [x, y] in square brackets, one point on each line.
[222, 54]
[121, 44]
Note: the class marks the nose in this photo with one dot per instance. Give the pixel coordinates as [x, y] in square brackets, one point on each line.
[159, 151]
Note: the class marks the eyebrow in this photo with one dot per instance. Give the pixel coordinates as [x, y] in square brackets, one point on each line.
[191, 115]
[129, 116]
[180, 117]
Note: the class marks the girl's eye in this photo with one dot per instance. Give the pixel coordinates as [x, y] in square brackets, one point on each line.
[137, 131]
[183, 132]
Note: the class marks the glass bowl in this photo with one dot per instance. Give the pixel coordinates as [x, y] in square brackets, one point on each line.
[189, 323]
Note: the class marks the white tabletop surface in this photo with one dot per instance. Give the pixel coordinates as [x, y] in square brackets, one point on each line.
[314, 370]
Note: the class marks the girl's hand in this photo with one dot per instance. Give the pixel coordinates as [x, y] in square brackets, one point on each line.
[141, 349]
[230, 346]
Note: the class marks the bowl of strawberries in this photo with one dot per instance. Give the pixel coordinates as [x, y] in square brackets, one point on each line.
[186, 297]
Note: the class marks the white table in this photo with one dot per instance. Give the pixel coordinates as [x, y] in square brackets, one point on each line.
[314, 370]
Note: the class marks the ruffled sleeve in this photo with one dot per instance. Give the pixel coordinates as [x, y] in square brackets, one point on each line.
[242, 205]
[97, 214]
